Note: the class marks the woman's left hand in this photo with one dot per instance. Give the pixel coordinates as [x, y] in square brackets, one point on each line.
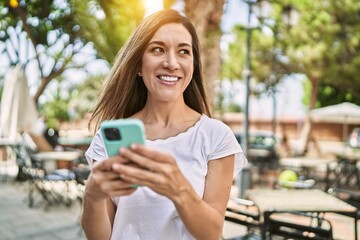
[158, 171]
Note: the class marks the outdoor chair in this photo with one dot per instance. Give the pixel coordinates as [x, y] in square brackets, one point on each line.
[245, 213]
[299, 226]
[54, 186]
[349, 196]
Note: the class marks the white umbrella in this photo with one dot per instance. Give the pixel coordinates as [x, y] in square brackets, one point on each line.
[18, 110]
[345, 113]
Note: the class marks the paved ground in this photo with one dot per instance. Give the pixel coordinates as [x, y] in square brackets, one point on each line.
[19, 222]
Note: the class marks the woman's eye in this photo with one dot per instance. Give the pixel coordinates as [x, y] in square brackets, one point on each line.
[184, 51]
[157, 50]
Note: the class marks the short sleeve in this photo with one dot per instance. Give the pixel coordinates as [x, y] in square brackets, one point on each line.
[225, 144]
[96, 150]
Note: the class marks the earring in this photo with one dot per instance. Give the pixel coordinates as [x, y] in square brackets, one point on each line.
[139, 74]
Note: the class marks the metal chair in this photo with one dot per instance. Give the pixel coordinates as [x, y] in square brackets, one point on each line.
[299, 226]
[245, 213]
[53, 185]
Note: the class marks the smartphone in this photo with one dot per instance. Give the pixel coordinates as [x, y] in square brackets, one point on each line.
[121, 133]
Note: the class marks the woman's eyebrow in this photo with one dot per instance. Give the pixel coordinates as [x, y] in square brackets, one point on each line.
[163, 44]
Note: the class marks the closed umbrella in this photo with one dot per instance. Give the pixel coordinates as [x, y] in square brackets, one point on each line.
[18, 111]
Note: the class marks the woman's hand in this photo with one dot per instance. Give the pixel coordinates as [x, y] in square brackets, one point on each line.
[155, 170]
[103, 182]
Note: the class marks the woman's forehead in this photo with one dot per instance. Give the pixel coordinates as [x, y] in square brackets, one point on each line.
[173, 31]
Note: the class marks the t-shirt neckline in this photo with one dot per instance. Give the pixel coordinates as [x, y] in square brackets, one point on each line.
[179, 135]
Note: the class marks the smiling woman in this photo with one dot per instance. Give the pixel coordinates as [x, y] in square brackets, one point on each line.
[152, 6]
[188, 158]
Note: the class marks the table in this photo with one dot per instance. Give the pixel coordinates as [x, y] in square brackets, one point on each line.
[56, 156]
[75, 142]
[63, 159]
[298, 200]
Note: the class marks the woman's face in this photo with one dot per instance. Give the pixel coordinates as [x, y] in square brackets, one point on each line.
[168, 63]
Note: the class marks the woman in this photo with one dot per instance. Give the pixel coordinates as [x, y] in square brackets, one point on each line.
[187, 165]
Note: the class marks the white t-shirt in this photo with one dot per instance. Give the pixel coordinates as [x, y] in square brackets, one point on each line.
[148, 215]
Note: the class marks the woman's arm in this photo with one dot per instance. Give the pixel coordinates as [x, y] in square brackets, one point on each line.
[204, 218]
[97, 218]
[98, 209]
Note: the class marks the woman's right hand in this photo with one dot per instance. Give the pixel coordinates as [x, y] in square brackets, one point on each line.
[103, 182]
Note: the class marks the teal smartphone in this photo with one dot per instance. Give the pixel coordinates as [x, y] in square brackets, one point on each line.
[121, 133]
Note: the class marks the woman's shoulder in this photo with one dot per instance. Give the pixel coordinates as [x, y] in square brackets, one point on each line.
[213, 122]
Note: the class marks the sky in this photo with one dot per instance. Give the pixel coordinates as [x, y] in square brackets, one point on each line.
[288, 96]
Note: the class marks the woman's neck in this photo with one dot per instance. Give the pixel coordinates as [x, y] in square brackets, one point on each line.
[166, 120]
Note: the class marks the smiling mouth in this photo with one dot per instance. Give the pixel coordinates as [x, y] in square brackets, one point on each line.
[168, 79]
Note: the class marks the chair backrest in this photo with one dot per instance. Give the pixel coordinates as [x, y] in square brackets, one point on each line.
[41, 143]
[300, 230]
[246, 213]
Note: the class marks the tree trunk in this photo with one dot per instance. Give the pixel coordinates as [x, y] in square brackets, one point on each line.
[206, 17]
[306, 134]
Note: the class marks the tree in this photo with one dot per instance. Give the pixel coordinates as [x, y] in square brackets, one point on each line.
[41, 32]
[206, 17]
[268, 60]
[325, 47]
[107, 24]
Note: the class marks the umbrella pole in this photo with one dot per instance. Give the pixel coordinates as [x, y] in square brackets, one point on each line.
[345, 133]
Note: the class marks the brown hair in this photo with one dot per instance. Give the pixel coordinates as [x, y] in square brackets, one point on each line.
[123, 94]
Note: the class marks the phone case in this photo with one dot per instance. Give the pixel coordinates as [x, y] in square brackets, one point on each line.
[130, 131]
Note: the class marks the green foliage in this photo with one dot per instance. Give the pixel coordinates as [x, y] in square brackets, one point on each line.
[306, 92]
[85, 95]
[107, 24]
[330, 95]
[55, 112]
[267, 66]
[324, 46]
[41, 32]
[233, 107]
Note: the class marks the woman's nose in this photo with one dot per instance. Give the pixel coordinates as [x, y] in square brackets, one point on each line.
[171, 61]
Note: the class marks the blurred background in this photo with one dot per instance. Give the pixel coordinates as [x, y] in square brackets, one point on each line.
[282, 74]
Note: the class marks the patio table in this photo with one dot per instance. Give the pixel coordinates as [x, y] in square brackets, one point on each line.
[297, 200]
[81, 143]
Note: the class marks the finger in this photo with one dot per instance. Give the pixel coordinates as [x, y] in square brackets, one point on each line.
[106, 164]
[140, 176]
[142, 161]
[104, 175]
[119, 184]
[150, 153]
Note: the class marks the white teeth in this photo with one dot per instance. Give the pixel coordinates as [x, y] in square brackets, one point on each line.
[168, 78]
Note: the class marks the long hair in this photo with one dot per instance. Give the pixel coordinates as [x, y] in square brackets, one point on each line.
[123, 93]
